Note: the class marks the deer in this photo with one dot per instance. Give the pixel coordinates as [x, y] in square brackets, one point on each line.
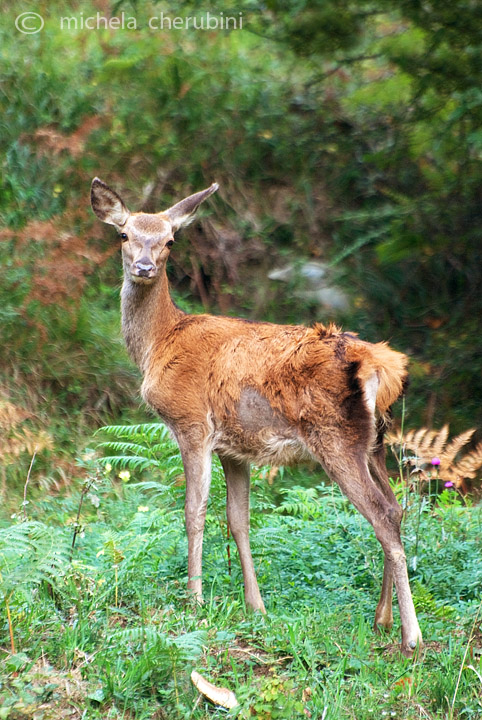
[257, 392]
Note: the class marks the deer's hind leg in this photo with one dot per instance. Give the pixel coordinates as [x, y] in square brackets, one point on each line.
[384, 514]
[345, 459]
[378, 470]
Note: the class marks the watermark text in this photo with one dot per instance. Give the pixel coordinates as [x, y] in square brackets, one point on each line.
[30, 23]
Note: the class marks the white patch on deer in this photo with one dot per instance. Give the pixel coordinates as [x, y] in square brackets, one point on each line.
[371, 389]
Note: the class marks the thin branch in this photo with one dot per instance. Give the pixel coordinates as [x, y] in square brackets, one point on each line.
[24, 504]
[84, 492]
[10, 627]
[340, 65]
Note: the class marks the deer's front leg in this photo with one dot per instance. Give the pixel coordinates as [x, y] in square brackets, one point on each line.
[238, 483]
[197, 469]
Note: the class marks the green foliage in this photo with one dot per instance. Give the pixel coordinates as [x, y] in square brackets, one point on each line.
[145, 658]
[29, 557]
[140, 447]
[277, 697]
[110, 613]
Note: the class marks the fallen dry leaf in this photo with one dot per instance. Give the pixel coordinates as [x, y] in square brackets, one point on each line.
[217, 695]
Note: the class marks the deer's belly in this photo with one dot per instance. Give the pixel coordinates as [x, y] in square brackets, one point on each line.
[262, 448]
[255, 432]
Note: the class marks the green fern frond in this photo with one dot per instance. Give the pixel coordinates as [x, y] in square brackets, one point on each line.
[164, 448]
[31, 553]
[146, 431]
[129, 462]
[120, 446]
[299, 502]
[142, 447]
[149, 635]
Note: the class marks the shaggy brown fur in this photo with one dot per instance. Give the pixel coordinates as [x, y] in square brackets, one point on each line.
[262, 393]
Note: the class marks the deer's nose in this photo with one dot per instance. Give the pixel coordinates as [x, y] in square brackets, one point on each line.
[144, 267]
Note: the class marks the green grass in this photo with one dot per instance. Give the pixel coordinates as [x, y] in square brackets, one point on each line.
[108, 630]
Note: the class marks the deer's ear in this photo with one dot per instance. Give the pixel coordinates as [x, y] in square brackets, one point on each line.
[107, 204]
[182, 213]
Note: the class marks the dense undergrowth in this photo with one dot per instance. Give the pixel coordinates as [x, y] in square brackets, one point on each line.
[94, 594]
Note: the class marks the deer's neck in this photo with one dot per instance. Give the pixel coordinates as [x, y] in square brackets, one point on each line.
[147, 315]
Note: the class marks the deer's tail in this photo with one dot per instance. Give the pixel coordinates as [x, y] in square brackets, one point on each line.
[388, 366]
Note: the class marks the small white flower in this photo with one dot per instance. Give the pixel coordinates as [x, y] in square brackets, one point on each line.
[143, 508]
[94, 499]
[124, 475]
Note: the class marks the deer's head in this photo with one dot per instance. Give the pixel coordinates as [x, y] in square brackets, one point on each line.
[146, 237]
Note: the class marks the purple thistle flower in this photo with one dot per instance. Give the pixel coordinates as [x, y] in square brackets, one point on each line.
[435, 461]
[448, 484]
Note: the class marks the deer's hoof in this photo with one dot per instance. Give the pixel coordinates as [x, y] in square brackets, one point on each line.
[412, 648]
[380, 627]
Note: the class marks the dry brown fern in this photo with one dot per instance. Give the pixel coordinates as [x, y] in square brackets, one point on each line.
[17, 438]
[435, 456]
[10, 414]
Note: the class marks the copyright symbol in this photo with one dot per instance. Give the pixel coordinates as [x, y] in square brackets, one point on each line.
[29, 23]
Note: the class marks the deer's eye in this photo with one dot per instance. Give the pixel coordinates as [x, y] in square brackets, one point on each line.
[170, 243]
[123, 236]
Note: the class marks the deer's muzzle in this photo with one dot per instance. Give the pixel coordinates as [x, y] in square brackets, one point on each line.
[144, 269]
